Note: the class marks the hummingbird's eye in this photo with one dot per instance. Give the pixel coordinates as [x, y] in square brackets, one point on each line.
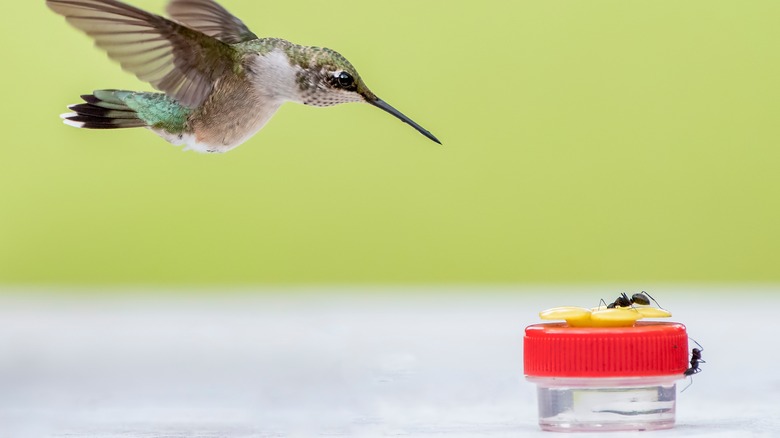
[345, 79]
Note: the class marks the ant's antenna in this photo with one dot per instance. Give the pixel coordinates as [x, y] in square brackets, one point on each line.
[656, 302]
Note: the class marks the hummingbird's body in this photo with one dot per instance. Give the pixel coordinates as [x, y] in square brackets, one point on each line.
[220, 83]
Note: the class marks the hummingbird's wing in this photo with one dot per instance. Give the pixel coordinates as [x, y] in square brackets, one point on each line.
[179, 61]
[210, 18]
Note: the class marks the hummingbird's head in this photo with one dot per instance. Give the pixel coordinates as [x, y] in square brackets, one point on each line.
[330, 79]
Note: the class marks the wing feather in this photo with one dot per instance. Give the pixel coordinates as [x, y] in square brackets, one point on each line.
[182, 62]
[210, 18]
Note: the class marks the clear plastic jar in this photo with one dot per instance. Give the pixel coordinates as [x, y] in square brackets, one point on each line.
[606, 378]
[588, 404]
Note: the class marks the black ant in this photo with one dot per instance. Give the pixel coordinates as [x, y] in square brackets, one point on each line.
[642, 298]
[695, 361]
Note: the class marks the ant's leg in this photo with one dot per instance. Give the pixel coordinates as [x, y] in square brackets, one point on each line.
[687, 386]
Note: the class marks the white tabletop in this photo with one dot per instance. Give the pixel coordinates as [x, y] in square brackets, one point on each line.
[395, 362]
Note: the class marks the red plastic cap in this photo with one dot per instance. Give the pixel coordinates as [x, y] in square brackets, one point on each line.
[646, 349]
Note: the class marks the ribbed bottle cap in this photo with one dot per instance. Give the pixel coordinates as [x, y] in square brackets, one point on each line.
[646, 349]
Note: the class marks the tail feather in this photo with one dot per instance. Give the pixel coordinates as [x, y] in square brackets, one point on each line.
[91, 99]
[104, 109]
[86, 109]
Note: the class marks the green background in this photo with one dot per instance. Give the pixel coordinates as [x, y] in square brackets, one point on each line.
[584, 141]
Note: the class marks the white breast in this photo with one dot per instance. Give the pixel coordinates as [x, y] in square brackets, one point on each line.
[274, 77]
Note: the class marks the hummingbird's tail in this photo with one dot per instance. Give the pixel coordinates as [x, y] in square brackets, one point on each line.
[104, 109]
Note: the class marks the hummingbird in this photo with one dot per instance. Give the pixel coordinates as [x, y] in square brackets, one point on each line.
[219, 82]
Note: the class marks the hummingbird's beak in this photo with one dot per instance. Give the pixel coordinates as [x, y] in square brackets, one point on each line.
[379, 103]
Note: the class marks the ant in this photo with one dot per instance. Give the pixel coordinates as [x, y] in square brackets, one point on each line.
[695, 361]
[643, 299]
